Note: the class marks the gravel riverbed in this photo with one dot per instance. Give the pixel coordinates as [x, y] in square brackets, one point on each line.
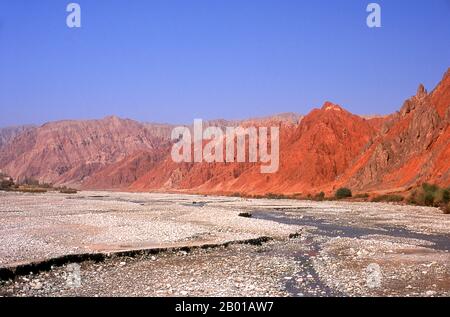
[315, 248]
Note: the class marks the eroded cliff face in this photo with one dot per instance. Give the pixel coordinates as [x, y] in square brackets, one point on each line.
[313, 153]
[67, 152]
[119, 175]
[327, 148]
[412, 147]
[330, 147]
[215, 177]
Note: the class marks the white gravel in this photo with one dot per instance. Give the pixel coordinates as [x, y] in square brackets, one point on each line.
[39, 226]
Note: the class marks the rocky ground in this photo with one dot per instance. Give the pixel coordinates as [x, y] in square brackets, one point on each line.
[316, 248]
[41, 226]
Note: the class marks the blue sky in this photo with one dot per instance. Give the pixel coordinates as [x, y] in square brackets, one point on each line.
[175, 60]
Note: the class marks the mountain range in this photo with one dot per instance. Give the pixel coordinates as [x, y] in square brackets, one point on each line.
[321, 151]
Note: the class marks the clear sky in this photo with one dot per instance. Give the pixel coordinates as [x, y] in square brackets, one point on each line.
[175, 60]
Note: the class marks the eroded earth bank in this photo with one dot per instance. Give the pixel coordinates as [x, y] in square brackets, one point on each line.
[185, 245]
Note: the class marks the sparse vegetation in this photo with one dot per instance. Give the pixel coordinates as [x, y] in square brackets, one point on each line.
[426, 195]
[343, 192]
[30, 185]
[430, 195]
[275, 196]
[35, 190]
[388, 198]
[68, 191]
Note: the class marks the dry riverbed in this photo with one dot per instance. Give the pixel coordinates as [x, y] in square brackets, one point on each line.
[287, 248]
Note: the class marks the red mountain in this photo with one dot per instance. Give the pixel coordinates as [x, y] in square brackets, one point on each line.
[413, 147]
[313, 154]
[67, 152]
[329, 147]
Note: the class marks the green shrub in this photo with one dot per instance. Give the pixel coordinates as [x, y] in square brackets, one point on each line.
[343, 192]
[442, 197]
[428, 198]
[388, 198]
[430, 195]
[430, 188]
[446, 195]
